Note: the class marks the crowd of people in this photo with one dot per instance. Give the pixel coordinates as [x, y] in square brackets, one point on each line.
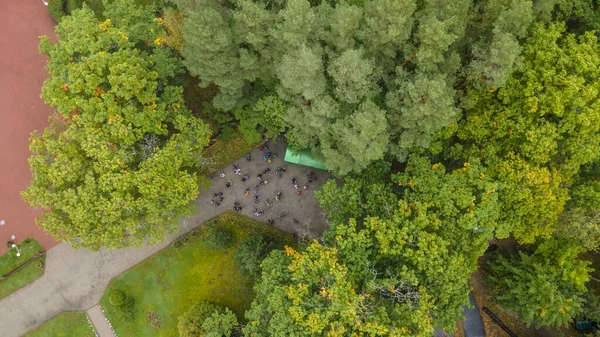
[262, 178]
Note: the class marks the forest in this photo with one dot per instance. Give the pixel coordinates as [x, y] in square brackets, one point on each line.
[449, 125]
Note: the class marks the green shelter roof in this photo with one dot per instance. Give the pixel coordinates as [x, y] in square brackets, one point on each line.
[303, 157]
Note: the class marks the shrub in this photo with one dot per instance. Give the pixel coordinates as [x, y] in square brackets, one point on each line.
[250, 253]
[117, 298]
[219, 239]
[57, 9]
[125, 305]
[190, 323]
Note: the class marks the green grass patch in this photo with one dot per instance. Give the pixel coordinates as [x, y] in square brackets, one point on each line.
[22, 277]
[66, 324]
[184, 273]
[10, 260]
[225, 151]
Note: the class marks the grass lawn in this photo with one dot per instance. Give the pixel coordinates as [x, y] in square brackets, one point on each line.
[10, 260]
[66, 324]
[26, 274]
[172, 280]
[21, 277]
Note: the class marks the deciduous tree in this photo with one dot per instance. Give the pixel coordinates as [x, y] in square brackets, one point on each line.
[536, 132]
[117, 167]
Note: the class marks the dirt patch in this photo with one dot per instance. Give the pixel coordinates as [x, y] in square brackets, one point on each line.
[460, 329]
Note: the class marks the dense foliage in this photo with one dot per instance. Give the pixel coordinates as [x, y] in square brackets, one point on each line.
[543, 288]
[190, 323]
[452, 123]
[116, 167]
[355, 81]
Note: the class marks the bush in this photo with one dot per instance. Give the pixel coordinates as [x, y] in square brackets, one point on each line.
[57, 9]
[117, 298]
[124, 304]
[251, 251]
[219, 239]
[190, 323]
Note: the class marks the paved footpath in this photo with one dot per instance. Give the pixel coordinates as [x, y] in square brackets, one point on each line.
[76, 279]
[101, 324]
[473, 323]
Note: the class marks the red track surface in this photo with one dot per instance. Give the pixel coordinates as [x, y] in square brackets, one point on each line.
[21, 111]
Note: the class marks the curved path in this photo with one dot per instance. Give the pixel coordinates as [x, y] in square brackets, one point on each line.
[76, 279]
[473, 323]
[21, 111]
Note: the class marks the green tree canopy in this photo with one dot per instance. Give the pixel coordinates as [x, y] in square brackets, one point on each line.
[427, 232]
[535, 133]
[334, 62]
[116, 167]
[310, 293]
[543, 288]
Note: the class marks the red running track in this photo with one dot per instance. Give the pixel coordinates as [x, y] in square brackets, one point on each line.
[21, 111]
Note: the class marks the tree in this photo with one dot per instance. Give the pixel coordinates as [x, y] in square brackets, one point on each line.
[191, 324]
[267, 114]
[503, 23]
[418, 108]
[331, 63]
[535, 133]
[543, 288]
[252, 251]
[580, 220]
[309, 293]
[116, 167]
[428, 234]
[221, 324]
[173, 23]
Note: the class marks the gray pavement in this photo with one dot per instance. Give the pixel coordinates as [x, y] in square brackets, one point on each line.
[101, 324]
[76, 279]
[473, 323]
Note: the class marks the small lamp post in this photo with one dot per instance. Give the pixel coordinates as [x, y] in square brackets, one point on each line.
[45, 2]
[17, 248]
